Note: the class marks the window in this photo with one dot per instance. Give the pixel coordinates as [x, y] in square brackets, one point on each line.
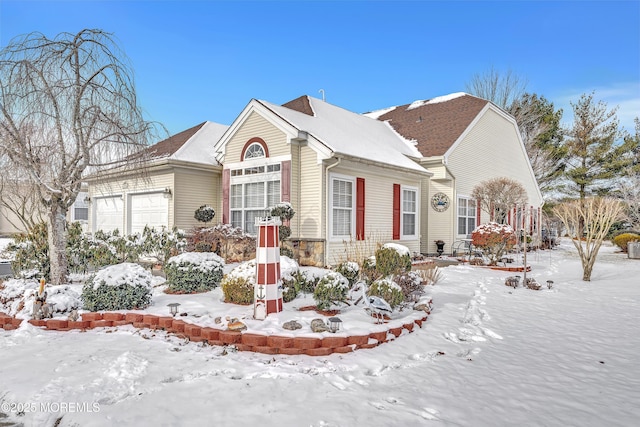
[81, 208]
[409, 211]
[342, 206]
[254, 151]
[466, 215]
[250, 200]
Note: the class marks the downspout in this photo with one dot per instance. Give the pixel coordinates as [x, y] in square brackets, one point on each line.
[327, 233]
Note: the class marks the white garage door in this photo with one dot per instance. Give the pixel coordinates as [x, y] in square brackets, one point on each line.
[109, 214]
[150, 209]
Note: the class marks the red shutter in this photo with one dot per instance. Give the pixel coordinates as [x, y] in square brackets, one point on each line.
[396, 211]
[359, 208]
[226, 182]
[477, 216]
[285, 181]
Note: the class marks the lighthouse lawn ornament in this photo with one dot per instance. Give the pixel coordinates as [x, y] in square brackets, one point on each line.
[267, 294]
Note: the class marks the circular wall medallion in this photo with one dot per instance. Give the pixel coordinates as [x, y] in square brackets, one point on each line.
[440, 202]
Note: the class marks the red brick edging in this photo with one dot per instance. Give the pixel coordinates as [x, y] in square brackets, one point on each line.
[243, 341]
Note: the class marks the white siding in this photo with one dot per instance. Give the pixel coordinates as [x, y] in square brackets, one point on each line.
[378, 206]
[194, 188]
[491, 150]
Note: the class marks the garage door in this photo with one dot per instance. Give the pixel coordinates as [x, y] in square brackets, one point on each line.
[150, 209]
[109, 214]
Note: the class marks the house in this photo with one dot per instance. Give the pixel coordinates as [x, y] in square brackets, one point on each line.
[181, 175]
[403, 174]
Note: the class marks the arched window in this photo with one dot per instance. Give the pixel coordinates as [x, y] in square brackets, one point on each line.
[254, 151]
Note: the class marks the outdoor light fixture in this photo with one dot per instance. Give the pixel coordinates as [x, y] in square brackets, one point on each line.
[334, 324]
[549, 284]
[174, 308]
[166, 193]
[87, 199]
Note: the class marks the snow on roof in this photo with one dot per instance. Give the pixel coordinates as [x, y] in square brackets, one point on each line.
[200, 147]
[377, 113]
[436, 100]
[352, 134]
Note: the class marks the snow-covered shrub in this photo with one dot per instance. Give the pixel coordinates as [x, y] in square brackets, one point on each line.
[622, 240]
[283, 210]
[409, 283]
[331, 289]
[292, 279]
[392, 259]
[231, 243]
[118, 287]
[237, 285]
[431, 275]
[350, 270]
[18, 295]
[308, 281]
[204, 213]
[388, 290]
[493, 240]
[30, 253]
[162, 244]
[192, 272]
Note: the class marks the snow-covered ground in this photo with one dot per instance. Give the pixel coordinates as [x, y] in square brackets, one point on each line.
[489, 355]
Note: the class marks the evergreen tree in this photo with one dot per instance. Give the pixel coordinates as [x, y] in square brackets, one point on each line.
[594, 154]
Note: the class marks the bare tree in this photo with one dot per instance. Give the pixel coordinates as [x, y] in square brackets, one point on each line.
[67, 106]
[498, 195]
[598, 214]
[500, 88]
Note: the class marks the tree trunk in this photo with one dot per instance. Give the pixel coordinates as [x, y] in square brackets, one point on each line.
[57, 237]
[587, 268]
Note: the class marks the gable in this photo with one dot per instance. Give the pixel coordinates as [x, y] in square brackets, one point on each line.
[491, 148]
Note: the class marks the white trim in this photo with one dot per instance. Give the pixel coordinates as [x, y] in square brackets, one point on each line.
[414, 236]
[352, 180]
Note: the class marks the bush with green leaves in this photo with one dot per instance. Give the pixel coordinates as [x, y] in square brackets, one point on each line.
[392, 259]
[350, 270]
[124, 286]
[163, 243]
[30, 253]
[231, 243]
[192, 272]
[283, 210]
[387, 289]
[237, 285]
[204, 213]
[622, 240]
[332, 289]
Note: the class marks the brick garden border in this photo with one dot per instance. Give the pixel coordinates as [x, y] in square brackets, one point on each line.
[243, 341]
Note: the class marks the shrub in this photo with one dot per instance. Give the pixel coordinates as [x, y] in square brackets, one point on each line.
[307, 281]
[331, 289]
[31, 253]
[231, 243]
[393, 259]
[388, 290]
[283, 210]
[494, 240]
[622, 240]
[350, 270]
[237, 290]
[430, 276]
[118, 287]
[162, 244]
[292, 278]
[204, 213]
[194, 272]
[409, 283]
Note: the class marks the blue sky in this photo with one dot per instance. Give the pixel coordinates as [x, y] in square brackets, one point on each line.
[205, 60]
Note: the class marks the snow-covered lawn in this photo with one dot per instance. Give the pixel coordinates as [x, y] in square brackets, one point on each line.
[489, 355]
